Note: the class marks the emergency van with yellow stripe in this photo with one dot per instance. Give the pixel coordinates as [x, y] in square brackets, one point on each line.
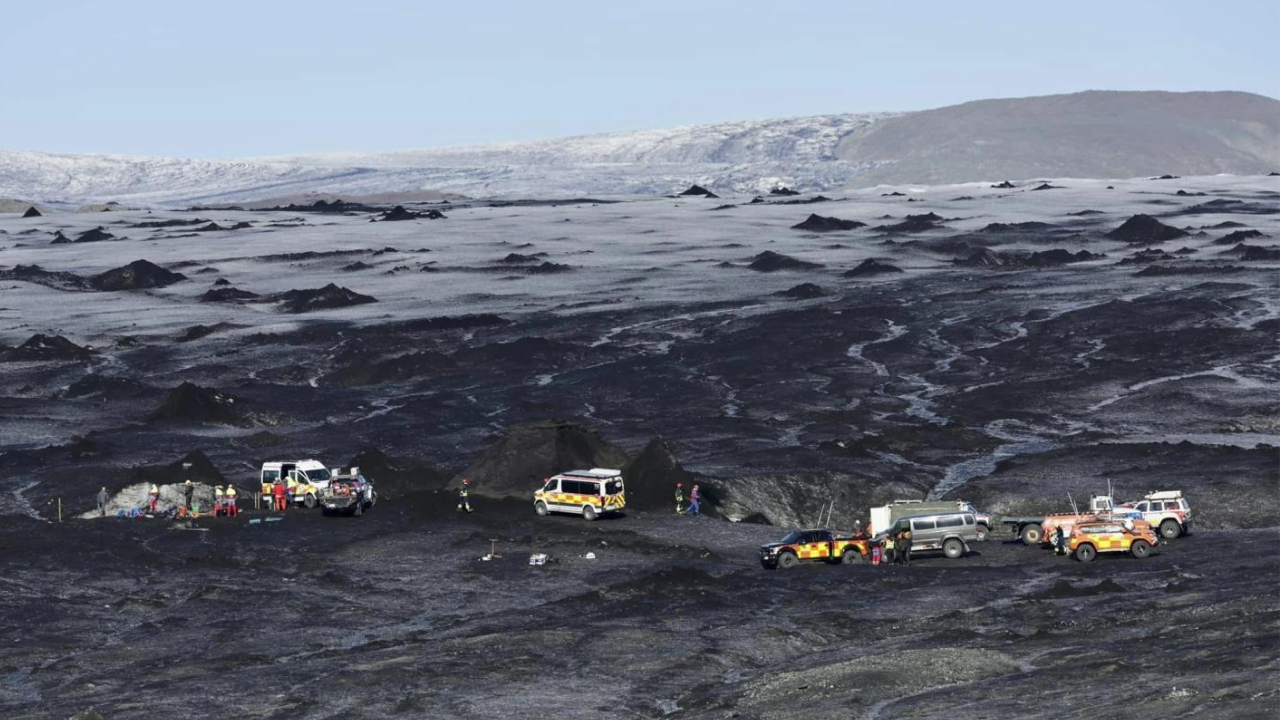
[1110, 536]
[813, 546]
[589, 493]
[306, 480]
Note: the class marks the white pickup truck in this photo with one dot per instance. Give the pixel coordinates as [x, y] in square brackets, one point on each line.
[1167, 511]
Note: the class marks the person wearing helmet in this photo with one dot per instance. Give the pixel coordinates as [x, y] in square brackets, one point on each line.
[219, 499]
[153, 498]
[187, 490]
[464, 502]
[231, 508]
[277, 492]
[679, 498]
[103, 497]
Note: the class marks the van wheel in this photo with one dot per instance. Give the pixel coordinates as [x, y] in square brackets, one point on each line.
[1031, 535]
[540, 508]
[1170, 529]
[359, 509]
[852, 557]
[309, 501]
[788, 560]
[1140, 548]
[953, 548]
[588, 512]
[1086, 553]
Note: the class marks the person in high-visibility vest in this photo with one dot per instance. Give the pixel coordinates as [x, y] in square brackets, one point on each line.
[679, 498]
[154, 497]
[232, 510]
[889, 555]
[464, 502]
[218, 499]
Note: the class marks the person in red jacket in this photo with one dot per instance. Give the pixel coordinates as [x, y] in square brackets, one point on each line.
[278, 493]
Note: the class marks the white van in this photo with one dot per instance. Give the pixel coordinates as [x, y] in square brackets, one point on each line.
[589, 493]
[308, 479]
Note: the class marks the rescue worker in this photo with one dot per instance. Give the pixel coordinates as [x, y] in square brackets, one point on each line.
[154, 497]
[232, 510]
[679, 498]
[218, 499]
[187, 490]
[889, 556]
[464, 503]
[695, 502]
[103, 498]
[277, 491]
[904, 546]
[857, 529]
[875, 553]
[1059, 542]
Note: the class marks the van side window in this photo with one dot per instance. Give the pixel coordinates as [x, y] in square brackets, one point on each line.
[950, 521]
[551, 486]
[968, 520]
[270, 476]
[923, 524]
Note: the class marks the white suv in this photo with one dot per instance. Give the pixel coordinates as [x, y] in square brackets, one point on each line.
[1167, 511]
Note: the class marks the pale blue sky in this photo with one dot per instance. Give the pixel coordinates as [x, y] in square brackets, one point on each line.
[237, 79]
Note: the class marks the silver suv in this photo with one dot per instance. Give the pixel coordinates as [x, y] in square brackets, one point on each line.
[950, 532]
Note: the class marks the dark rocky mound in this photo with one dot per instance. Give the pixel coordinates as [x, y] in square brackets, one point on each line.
[1223, 205]
[770, 261]
[756, 200]
[548, 268]
[1086, 213]
[1165, 177]
[191, 403]
[220, 282]
[1185, 251]
[870, 267]
[1145, 257]
[518, 259]
[242, 225]
[137, 275]
[803, 291]
[1184, 193]
[326, 298]
[226, 294]
[50, 278]
[1145, 230]
[1224, 225]
[194, 466]
[1058, 256]
[396, 477]
[1047, 186]
[730, 206]
[110, 388]
[1006, 185]
[97, 234]
[32, 212]
[46, 347]
[211, 227]
[998, 227]
[818, 223]
[400, 213]
[60, 239]
[1238, 236]
[982, 257]
[1189, 268]
[804, 201]
[356, 266]
[1255, 253]
[895, 193]
[1273, 174]
[520, 460]
[195, 332]
[337, 207]
[914, 223]
[786, 191]
[176, 222]
[366, 371]
[652, 476]
[696, 190]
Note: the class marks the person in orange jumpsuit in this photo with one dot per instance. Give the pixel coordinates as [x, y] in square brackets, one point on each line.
[278, 493]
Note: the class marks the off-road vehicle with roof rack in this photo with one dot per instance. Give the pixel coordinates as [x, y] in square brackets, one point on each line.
[1088, 538]
[813, 546]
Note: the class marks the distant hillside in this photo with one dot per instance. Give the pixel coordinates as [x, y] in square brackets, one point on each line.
[1090, 134]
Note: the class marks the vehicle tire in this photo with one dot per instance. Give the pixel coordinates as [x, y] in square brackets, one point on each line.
[953, 548]
[540, 508]
[788, 560]
[983, 531]
[310, 500]
[359, 509]
[1031, 535]
[588, 512]
[1140, 548]
[1170, 529]
[852, 556]
[1086, 553]
[373, 498]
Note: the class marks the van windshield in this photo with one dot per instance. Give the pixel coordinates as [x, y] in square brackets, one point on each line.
[317, 475]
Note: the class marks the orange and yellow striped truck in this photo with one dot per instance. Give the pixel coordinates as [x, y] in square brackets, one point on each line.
[1109, 536]
[813, 546]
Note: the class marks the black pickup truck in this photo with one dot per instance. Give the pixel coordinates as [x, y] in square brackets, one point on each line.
[350, 495]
